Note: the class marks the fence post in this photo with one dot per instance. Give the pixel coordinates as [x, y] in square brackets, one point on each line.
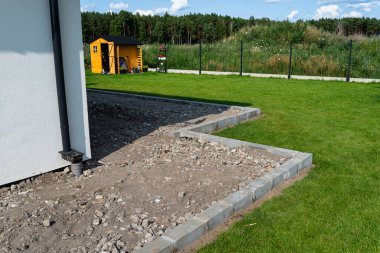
[166, 59]
[290, 60]
[241, 58]
[200, 58]
[348, 72]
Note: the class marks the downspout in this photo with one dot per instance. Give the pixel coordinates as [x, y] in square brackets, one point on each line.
[68, 154]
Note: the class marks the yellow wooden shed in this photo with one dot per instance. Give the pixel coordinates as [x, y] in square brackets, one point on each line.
[115, 55]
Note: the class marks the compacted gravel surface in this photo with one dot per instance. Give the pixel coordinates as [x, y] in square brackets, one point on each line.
[139, 183]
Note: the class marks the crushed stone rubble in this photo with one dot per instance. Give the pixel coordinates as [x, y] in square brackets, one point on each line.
[140, 182]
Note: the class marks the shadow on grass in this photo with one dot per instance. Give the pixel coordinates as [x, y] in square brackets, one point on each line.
[225, 102]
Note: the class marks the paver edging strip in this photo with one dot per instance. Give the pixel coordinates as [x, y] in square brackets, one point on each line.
[183, 235]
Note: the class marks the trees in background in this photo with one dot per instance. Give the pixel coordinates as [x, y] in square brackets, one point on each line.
[349, 26]
[187, 29]
[192, 28]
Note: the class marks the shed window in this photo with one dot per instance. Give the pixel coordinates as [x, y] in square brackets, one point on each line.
[95, 49]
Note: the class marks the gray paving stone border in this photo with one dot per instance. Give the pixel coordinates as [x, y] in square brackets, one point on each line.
[183, 235]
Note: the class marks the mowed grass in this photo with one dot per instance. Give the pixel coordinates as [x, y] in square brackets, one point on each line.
[336, 208]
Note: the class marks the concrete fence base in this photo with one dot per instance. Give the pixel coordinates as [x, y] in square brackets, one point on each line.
[297, 77]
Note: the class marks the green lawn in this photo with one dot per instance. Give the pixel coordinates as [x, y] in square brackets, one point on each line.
[336, 208]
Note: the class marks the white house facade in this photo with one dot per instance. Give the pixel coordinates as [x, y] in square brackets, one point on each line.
[40, 87]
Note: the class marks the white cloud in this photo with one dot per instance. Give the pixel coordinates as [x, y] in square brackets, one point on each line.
[118, 6]
[334, 11]
[364, 6]
[353, 14]
[327, 11]
[176, 6]
[161, 10]
[144, 12]
[292, 15]
[87, 7]
[153, 12]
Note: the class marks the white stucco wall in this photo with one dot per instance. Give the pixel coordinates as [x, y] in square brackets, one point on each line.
[30, 136]
[75, 80]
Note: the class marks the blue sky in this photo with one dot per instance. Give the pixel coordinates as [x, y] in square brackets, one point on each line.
[274, 9]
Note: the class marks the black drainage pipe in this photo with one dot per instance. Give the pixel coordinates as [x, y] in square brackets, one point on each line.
[67, 153]
[58, 63]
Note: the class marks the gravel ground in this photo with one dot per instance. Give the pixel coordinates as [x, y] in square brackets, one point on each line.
[140, 182]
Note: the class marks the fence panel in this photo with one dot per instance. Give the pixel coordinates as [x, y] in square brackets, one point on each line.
[309, 59]
[224, 57]
[150, 53]
[366, 58]
[320, 60]
[262, 57]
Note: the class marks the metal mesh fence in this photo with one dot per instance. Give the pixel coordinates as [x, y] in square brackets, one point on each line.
[315, 60]
[259, 57]
[328, 59]
[224, 57]
[366, 59]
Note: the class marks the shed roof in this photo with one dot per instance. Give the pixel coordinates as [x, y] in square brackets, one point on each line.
[119, 40]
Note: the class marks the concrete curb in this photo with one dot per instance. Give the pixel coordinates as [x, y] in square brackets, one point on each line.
[260, 75]
[183, 235]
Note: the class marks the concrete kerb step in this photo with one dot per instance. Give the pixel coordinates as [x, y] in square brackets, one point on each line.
[216, 214]
[243, 114]
[159, 245]
[183, 235]
[187, 232]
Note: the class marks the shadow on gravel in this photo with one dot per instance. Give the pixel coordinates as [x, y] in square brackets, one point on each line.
[116, 121]
[226, 102]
